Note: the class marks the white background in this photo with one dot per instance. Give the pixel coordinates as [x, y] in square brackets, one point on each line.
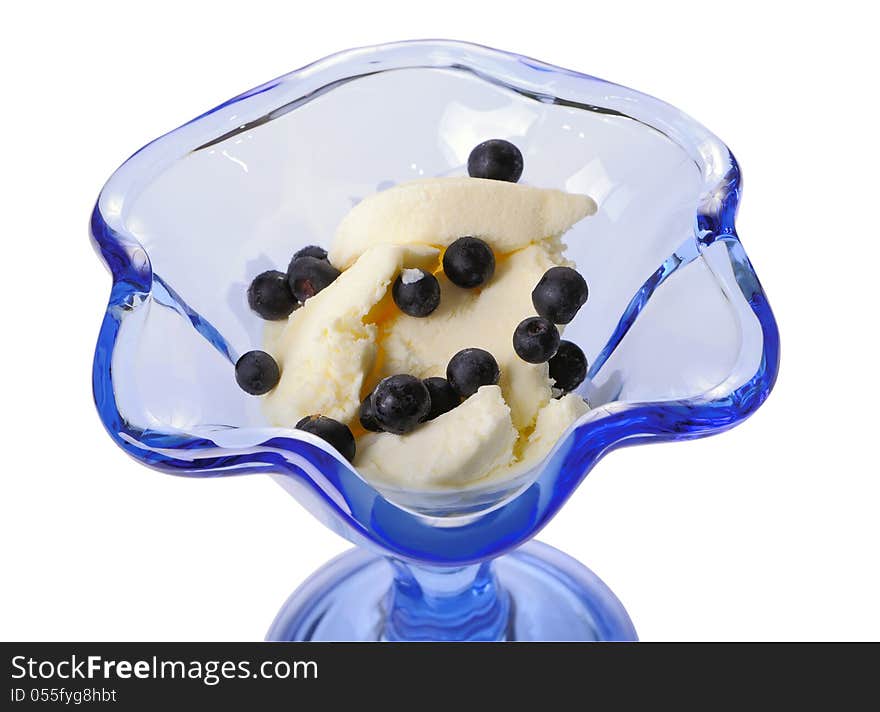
[768, 532]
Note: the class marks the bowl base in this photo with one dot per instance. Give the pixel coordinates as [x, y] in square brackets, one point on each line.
[551, 597]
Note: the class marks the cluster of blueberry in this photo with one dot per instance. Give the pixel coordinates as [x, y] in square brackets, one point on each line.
[274, 296]
[558, 296]
[401, 402]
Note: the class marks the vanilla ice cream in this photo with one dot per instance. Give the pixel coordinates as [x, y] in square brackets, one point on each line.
[344, 340]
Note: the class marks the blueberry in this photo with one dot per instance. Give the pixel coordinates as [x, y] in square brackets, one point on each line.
[535, 339]
[568, 368]
[309, 275]
[319, 253]
[496, 159]
[471, 368]
[443, 396]
[332, 431]
[257, 373]
[559, 294]
[416, 292]
[469, 262]
[400, 403]
[367, 416]
[269, 295]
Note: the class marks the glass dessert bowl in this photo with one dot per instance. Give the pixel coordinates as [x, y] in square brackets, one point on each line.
[677, 332]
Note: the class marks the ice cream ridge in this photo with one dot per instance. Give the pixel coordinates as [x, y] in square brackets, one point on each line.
[426, 346]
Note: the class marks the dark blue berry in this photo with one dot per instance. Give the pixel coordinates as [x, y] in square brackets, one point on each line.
[496, 159]
[559, 294]
[443, 396]
[535, 339]
[257, 373]
[470, 369]
[568, 368]
[319, 253]
[469, 262]
[416, 292]
[367, 416]
[331, 431]
[400, 403]
[309, 275]
[269, 295]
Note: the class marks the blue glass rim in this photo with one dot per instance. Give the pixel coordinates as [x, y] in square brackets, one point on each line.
[344, 493]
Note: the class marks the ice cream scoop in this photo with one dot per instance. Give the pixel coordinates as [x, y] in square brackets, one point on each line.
[438, 211]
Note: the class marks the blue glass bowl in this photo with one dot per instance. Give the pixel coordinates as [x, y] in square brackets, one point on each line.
[678, 332]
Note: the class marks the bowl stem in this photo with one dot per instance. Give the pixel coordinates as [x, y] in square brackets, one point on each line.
[446, 603]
